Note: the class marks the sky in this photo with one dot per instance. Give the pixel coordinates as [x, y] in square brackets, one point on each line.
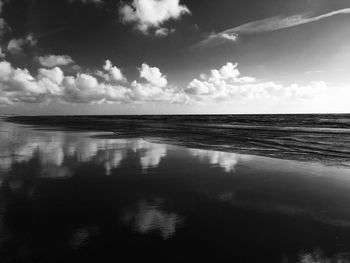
[174, 57]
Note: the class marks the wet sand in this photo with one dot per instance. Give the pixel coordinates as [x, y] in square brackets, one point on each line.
[77, 196]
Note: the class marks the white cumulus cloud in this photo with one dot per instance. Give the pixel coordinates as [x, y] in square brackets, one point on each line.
[51, 61]
[111, 73]
[227, 84]
[146, 14]
[18, 85]
[85, 88]
[153, 75]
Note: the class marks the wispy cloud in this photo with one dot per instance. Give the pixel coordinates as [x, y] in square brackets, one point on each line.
[267, 25]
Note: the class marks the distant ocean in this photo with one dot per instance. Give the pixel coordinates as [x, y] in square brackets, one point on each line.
[311, 137]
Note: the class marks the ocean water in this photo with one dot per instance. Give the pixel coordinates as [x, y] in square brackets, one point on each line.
[129, 189]
[311, 137]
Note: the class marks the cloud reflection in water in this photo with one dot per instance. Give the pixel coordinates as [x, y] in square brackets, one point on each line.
[317, 256]
[151, 153]
[82, 235]
[150, 216]
[291, 208]
[18, 145]
[225, 160]
[52, 148]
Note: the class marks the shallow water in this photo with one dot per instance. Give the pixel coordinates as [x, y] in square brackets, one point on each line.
[86, 196]
[321, 138]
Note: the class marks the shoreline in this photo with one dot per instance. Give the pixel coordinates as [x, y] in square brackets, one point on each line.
[211, 136]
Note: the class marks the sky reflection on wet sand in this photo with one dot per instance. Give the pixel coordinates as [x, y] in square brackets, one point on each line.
[81, 195]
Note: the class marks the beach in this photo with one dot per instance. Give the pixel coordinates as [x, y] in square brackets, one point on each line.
[129, 188]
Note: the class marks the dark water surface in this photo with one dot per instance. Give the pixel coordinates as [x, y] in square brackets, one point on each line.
[311, 137]
[79, 196]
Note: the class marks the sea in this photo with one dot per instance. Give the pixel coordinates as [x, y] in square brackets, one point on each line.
[179, 188]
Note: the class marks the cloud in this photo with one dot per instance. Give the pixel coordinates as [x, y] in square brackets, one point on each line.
[163, 32]
[2, 54]
[227, 84]
[278, 22]
[153, 75]
[232, 37]
[217, 81]
[146, 92]
[31, 40]
[111, 73]
[16, 46]
[268, 25]
[85, 88]
[155, 87]
[3, 27]
[18, 85]
[147, 14]
[51, 61]
[51, 79]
